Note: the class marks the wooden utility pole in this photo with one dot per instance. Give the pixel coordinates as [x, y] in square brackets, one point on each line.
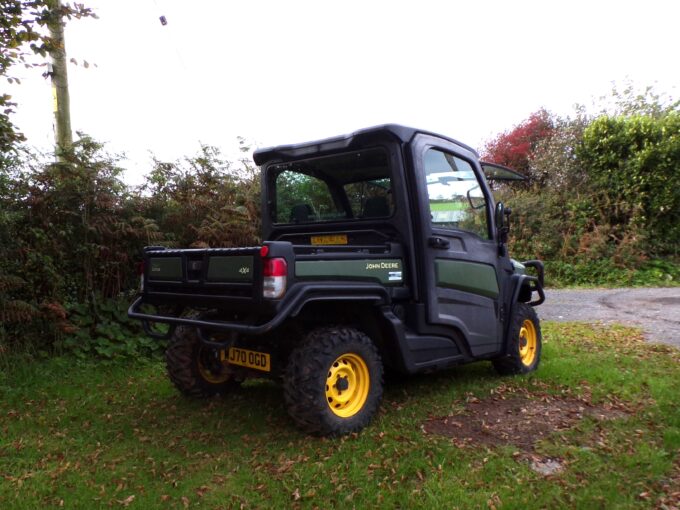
[59, 75]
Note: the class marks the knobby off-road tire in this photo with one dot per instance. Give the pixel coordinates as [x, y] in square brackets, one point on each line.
[191, 368]
[524, 343]
[333, 383]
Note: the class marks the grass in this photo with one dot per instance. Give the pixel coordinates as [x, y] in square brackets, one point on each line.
[448, 206]
[88, 435]
[605, 273]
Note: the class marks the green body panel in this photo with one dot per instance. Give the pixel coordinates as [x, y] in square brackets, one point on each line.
[467, 276]
[230, 269]
[385, 271]
[165, 268]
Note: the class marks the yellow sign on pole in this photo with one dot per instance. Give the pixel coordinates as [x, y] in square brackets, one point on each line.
[55, 100]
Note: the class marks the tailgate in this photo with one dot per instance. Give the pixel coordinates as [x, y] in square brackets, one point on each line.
[211, 273]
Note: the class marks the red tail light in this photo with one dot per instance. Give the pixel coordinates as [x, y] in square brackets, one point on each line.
[274, 272]
[275, 267]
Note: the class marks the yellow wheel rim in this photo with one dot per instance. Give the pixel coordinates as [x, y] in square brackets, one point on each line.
[209, 375]
[347, 385]
[528, 341]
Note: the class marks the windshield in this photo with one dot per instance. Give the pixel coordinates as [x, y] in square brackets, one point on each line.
[355, 185]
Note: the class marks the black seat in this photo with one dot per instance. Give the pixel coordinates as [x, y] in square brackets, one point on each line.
[301, 213]
[376, 207]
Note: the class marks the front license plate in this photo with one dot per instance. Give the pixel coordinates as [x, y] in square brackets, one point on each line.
[246, 358]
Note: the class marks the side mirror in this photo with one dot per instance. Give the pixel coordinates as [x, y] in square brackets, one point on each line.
[502, 222]
[475, 202]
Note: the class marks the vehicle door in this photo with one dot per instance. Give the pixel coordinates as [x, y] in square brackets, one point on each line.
[460, 256]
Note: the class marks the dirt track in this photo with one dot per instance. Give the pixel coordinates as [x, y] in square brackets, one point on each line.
[656, 310]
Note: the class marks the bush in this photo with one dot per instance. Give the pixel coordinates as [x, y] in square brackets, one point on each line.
[109, 334]
[204, 201]
[605, 194]
[71, 233]
[633, 164]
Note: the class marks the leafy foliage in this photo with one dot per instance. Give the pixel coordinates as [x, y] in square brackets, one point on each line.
[205, 200]
[109, 334]
[632, 100]
[514, 148]
[604, 197]
[554, 158]
[633, 162]
[71, 233]
[20, 27]
[85, 207]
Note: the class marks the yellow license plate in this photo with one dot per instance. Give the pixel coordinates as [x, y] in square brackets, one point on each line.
[246, 358]
[328, 240]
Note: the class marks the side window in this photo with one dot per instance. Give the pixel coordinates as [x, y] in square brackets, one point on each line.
[454, 194]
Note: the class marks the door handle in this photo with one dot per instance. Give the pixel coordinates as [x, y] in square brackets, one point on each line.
[439, 243]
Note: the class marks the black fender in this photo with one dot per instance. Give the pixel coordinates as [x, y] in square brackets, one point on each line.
[534, 283]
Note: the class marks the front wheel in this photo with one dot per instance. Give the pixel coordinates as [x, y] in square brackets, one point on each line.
[524, 343]
[333, 382]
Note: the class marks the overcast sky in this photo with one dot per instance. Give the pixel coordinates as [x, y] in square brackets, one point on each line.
[276, 71]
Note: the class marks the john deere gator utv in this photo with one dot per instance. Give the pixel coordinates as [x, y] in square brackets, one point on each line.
[382, 249]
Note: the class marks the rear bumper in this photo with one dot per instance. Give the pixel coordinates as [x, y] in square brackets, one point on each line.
[290, 306]
[147, 318]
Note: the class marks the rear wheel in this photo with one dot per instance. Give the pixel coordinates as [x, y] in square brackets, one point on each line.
[524, 343]
[333, 381]
[194, 369]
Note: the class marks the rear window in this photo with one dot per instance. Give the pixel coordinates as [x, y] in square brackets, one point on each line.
[349, 186]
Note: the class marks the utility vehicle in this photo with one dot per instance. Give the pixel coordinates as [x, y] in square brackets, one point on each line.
[383, 250]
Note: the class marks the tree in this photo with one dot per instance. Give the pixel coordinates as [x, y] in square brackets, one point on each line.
[514, 148]
[21, 36]
[553, 160]
[633, 100]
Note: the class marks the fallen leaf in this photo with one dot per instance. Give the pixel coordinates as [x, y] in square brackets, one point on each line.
[126, 501]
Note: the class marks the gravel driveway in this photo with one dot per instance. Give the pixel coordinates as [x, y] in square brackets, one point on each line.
[656, 310]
